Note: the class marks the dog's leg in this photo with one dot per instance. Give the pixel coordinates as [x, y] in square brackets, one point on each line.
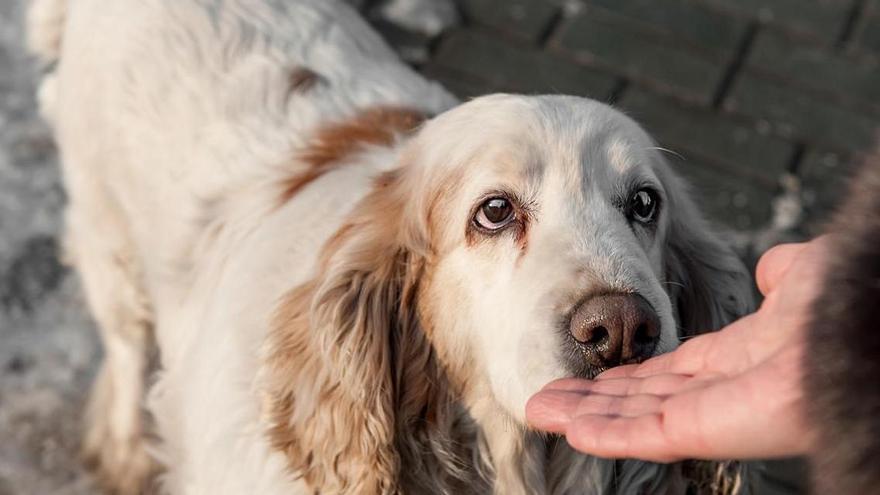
[98, 245]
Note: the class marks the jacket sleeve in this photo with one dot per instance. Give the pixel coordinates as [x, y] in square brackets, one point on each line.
[842, 362]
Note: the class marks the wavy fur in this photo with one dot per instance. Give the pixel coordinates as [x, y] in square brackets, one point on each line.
[255, 175]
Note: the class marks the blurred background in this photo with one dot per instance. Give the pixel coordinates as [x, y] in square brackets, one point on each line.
[765, 105]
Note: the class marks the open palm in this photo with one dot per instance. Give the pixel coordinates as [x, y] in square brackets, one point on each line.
[735, 393]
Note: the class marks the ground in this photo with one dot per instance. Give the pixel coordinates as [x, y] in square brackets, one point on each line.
[763, 104]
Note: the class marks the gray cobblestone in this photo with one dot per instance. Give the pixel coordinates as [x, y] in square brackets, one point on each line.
[823, 176]
[846, 79]
[682, 21]
[713, 138]
[820, 19]
[462, 85]
[867, 35]
[726, 197]
[800, 115]
[527, 19]
[614, 43]
[509, 67]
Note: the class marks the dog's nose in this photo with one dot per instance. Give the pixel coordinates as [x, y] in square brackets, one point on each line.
[615, 329]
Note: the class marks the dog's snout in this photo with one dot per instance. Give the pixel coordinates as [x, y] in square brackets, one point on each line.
[615, 329]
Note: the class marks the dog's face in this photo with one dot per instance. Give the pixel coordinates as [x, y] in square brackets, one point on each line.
[519, 240]
[549, 220]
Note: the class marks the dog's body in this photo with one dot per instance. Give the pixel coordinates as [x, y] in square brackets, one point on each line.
[241, 178]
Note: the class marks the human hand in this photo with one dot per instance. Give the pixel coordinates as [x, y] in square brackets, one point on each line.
[735, 393]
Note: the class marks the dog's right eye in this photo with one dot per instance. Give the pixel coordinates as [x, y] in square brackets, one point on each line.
[494, 214]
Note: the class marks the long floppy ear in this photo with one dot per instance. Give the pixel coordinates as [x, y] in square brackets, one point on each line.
[330, 371]
[708, 284]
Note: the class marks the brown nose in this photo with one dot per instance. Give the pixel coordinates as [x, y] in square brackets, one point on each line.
[615, 329]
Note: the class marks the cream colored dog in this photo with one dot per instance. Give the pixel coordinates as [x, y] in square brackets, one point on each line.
[355, 283]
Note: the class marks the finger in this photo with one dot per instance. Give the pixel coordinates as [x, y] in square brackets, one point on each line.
[551, 410]
[662, 384]
[624, 371]
[689, 358]
[774, 264]
[612, 405]
[568, 384]
[639, 437]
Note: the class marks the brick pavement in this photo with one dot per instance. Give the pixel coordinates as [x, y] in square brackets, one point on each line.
[761, 98]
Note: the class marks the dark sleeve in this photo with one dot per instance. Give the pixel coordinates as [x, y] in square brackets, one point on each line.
[843, 354]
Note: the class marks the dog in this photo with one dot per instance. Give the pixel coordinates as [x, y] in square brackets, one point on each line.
[354, 281]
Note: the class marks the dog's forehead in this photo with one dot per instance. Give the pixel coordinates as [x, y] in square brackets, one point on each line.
[559, 138]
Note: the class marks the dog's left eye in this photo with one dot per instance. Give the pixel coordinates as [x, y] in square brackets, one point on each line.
[643, 206]
[494, 214]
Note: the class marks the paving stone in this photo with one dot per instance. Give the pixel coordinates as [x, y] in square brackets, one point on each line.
[824, 175]
[512, 67]
[528, 19]
[725, 197]
[615, 44]
[786, 476]
[31, 275]
[821, 19]
[413, 47]
[685, 21]
[867, 35]
[461, 85]
[799, 114]
[817, 68]
[710, 137]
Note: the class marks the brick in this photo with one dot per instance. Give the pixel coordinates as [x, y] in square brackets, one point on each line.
[411, 46]
[722, 196]
[612, 43]
[33, 274]
[510, 67]
[817, 68]
[800, 115]
[821, 19]
[684, 21]
[867, 35]
[463, 86]
[824, 175]
[527, 19]
[709, 137]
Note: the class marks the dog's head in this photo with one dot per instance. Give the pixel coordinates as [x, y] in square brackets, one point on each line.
[520, 240]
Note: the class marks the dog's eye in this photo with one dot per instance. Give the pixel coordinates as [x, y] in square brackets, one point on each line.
[494, 214]
[643, 206]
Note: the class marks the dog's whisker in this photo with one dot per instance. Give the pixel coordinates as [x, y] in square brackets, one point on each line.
[674, 283]
[667, 150]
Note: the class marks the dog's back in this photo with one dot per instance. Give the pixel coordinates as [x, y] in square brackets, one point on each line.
[177, 120]
[172, 104]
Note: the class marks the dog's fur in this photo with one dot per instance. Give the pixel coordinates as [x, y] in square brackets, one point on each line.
[263, 188]
[843, 359]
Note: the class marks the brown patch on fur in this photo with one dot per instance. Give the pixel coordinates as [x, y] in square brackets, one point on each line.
[357, 399]
[332, 144]
[303, 79]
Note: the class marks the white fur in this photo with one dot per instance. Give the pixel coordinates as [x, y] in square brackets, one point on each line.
[176, 124]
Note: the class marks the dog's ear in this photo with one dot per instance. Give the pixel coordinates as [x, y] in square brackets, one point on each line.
[708, 284]
[332, 371]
